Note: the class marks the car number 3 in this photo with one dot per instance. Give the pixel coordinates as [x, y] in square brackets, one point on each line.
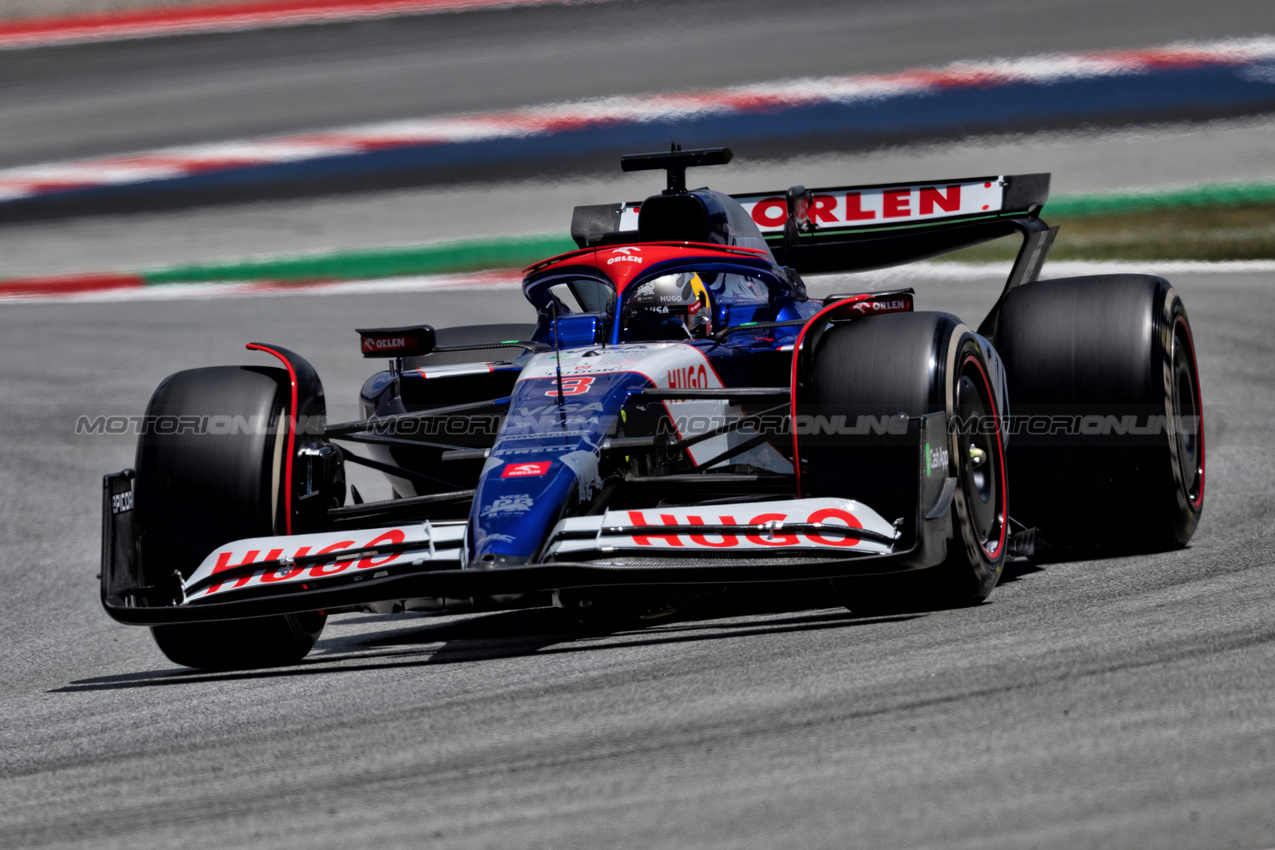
[574, 386]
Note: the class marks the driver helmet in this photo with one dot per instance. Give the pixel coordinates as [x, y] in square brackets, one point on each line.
[672, 307]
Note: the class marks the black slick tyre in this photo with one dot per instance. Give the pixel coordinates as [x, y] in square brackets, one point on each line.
[1103, 378]
[198, 487]
[913, 364]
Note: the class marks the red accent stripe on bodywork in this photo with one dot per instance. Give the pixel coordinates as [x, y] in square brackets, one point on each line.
[704, 247]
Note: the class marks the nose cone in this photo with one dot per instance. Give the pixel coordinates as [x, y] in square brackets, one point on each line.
[518, 502]
[544, 464]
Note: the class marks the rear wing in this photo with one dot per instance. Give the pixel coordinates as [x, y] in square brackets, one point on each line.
[858, 228]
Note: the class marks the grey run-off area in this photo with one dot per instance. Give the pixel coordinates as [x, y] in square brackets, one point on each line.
[1113, 703]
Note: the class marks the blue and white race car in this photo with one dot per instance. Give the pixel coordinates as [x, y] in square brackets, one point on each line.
[680, 416]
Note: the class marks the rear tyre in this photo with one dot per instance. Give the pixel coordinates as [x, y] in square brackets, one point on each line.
[913, 364]
[1108, 362]
[197, 488]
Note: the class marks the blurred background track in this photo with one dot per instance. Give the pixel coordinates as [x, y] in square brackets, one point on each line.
[1084, 163]
[26, 10]
[93, 100]
[87, 100]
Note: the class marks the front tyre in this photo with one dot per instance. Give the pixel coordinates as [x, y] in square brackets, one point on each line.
[200, 486]
[913, 364]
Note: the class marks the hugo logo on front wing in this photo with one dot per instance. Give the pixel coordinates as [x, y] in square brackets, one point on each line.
[644, 533]
[288, 572]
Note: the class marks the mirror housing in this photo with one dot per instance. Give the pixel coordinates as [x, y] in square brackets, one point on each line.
[397, 342]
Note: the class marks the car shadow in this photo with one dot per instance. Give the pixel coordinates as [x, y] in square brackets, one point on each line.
[512, 634]
[1015, 570]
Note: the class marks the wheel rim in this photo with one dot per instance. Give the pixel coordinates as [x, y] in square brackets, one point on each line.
[980, 462]
[1187, 412]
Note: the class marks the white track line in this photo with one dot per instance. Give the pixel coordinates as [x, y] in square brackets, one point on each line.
[176, 162]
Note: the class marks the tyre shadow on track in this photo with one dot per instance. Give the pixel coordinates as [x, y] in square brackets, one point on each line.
[1015, 570]
[508, 634]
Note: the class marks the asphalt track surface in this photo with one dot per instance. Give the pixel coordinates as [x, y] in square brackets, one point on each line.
[67, 102]
[1112, 703]
[1102, 703]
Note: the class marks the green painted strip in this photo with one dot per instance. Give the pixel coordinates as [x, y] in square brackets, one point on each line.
[1121, 203]
[439, 258]
[518, 251]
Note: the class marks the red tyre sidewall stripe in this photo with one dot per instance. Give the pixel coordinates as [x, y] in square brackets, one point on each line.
[1000, 455]
[292, 433]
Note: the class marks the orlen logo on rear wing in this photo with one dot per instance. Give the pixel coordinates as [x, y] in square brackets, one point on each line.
[873, 206]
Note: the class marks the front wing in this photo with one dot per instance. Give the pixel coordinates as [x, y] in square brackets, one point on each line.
[767, 541]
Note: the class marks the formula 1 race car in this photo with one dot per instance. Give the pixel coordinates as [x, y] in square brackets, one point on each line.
[680, 417]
